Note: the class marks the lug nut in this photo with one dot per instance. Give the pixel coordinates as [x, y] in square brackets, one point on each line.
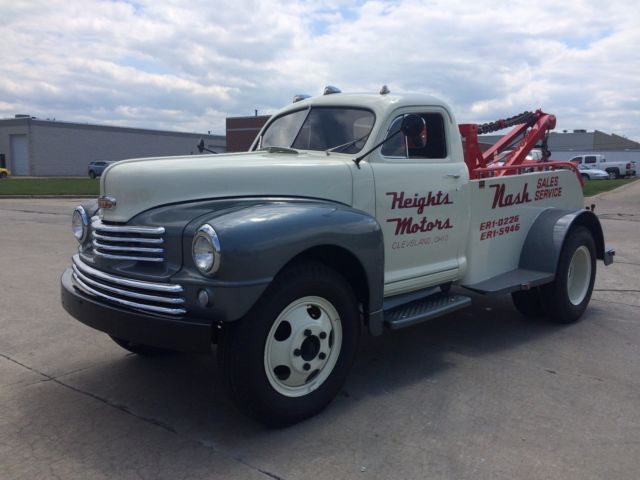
[323, 335]
[307, 332]
[306, 366]
[322, 356]
[297, 352]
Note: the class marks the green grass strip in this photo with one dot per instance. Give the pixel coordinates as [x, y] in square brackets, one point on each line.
[594, 187]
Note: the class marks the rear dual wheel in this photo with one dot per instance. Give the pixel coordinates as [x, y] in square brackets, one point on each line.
[566, 298]
[290, 355]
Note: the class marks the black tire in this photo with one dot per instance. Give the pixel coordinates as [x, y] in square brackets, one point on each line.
[585, 177]
[139, 349]
[555, 296]
[613, 173]
[92, 174]
[243, 346]
[3, 175]
[528, 303]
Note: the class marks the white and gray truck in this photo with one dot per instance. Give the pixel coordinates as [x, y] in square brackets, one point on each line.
[349, 212]
[615, 169]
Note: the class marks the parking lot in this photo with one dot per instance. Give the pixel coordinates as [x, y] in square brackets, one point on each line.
[480, 394]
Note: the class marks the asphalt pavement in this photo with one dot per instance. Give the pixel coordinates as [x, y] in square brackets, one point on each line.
[480, 394]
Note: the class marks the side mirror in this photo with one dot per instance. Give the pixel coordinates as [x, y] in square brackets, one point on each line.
[202, 148]
[415, 128]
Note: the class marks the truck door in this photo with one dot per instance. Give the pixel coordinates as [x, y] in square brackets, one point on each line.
[591, 161]
[422, 204]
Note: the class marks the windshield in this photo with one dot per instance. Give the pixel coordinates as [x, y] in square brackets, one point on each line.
[321, 128]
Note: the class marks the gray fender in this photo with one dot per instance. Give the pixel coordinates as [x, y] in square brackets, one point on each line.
[257, 241]
[542, 247]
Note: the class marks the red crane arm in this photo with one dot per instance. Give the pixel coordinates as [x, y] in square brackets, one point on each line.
[542, 124]
[531, 126]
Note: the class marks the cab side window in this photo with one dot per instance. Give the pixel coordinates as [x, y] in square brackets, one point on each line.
[436, 146]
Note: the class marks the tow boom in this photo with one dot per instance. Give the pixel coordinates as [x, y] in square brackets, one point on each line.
[532, 126]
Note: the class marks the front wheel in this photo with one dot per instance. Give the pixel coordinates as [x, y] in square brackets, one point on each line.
[92, 174]
[566, 298]
[3, 175]
[290, 355]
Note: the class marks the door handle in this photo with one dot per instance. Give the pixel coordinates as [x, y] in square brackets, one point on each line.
[452, 175]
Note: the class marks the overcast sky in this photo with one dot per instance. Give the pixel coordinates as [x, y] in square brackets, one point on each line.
[186, 65]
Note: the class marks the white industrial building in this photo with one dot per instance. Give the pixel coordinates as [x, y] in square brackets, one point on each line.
[30, 146]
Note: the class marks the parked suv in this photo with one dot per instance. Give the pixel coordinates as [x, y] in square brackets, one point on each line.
[97, 167]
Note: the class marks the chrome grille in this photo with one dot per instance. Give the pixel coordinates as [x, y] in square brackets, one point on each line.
[149, 297]
[123, 242]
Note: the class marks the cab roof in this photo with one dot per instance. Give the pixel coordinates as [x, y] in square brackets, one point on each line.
[380, 104]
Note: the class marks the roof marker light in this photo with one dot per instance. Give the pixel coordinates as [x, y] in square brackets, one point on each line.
[330, 90]
[299, 97]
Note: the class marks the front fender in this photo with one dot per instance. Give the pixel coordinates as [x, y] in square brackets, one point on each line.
[257, 241]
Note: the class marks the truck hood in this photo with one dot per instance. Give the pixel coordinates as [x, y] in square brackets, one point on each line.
[141, 184]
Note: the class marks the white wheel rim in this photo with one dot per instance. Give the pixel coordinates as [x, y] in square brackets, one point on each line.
[579, 275]
[303, 346]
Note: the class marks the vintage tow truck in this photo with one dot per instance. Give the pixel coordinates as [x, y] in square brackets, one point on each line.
[349, 211]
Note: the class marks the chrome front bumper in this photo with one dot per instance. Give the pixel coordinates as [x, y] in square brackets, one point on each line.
[121, 321]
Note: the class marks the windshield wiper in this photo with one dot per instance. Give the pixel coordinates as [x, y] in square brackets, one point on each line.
[348, 144]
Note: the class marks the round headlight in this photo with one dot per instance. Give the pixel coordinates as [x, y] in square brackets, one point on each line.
[80, 224]
[206, 250]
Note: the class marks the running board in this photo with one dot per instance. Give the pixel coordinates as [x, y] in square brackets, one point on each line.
[424, 309]
[518, 279]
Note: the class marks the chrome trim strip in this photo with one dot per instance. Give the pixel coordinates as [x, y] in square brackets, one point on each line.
[158, 287]
[114, 248]
[127, 293]
[128, 257]
[149, 308]
[98, 225]
[157, 241]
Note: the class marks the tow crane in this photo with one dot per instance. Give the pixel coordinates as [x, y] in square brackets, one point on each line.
[531, 126]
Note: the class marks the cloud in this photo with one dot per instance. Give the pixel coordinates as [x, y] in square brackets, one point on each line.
[187, 65]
